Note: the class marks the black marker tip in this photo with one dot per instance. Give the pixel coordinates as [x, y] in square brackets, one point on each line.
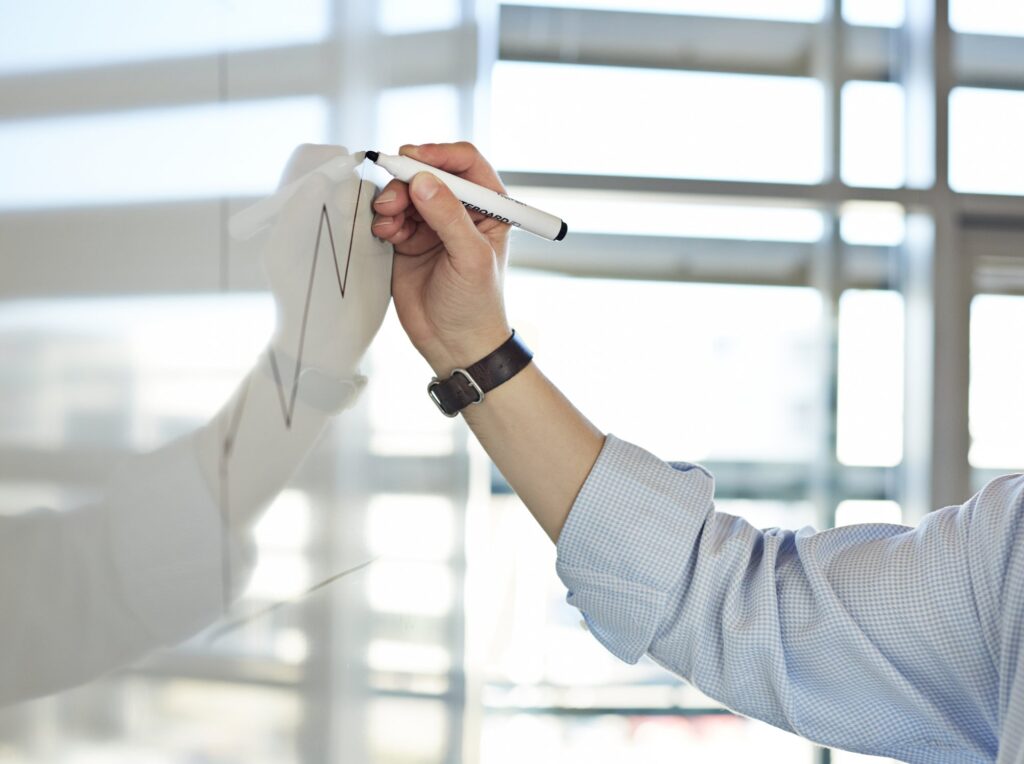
[373, 156]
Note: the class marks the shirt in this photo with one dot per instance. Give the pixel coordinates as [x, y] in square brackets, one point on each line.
[86, 590]
[880, 639]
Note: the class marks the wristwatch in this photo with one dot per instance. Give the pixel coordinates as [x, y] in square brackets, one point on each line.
[468, 386]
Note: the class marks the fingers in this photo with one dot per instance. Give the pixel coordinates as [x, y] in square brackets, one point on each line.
[408, 236]
[462, 159]
[392, 199]
[445, 214]
[398, 219]
[386, 226]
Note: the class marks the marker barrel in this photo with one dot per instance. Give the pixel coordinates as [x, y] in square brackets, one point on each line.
[477, 198]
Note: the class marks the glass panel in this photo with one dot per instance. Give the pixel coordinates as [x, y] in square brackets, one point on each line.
[409, 731]
[48, 34]
[984, 141]
[997, 392]
[427, 114]
[879, 224]
[402, 424]
[987, 17]
[855, 512]
[873, 132]
[660, 123]
[615, 738]
[845, 757]
[411, 526]
[176, 153]
[410, 588]
[785, 10]
[874, 13]
[741, 388]
[870, 396]
[770, 514]
[666, 215]
[541, 655]
[126, 372]
[403, 16]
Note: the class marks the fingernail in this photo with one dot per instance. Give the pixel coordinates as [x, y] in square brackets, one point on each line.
[424, 186]
[387, 196]
[382, 221]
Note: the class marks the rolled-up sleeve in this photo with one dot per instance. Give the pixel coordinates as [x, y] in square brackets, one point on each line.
[876, 638]
[621, 552]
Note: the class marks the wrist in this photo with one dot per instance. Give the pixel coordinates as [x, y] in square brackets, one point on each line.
[445, 356]
[468, 386]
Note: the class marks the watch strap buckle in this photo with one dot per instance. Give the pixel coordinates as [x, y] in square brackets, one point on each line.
[436, 382]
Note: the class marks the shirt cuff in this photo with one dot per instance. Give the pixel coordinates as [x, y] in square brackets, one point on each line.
[177, 568]
[629, 540]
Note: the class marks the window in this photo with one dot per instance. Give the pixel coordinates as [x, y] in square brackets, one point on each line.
[984, 128]
[693, 124]
[997, 368]
[987, 17]
[873, 134]
[875, 13]
[788, 10]
[870, 405]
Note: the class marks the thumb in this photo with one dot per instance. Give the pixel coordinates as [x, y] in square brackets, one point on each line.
[446, 215]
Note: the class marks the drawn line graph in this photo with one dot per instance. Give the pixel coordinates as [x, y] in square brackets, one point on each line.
[287, 399]
[288, 408]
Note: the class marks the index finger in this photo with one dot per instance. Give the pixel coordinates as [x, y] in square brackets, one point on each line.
[462, 159]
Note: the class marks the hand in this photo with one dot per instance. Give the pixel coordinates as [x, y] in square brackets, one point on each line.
[450, 264]
[331, 331]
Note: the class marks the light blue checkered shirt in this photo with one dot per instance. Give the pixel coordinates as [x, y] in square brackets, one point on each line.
[880, 639]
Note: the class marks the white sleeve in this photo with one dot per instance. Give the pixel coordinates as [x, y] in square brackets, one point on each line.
[87, 590]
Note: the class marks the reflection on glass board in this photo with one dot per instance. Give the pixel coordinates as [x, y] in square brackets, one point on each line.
[181, 152]
[166, 547]
[43, 35]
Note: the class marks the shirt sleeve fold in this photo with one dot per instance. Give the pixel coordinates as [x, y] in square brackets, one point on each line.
[882, 639]
[619, 551]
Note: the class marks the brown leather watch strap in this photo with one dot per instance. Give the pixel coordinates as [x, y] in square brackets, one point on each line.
[467, 386]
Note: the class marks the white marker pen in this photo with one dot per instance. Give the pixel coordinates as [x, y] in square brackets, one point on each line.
[477, 198]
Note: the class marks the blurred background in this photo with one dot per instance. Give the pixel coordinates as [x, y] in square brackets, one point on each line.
[802, 219]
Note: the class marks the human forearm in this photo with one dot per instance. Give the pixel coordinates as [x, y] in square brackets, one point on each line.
[447, 288]
[542, 444]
